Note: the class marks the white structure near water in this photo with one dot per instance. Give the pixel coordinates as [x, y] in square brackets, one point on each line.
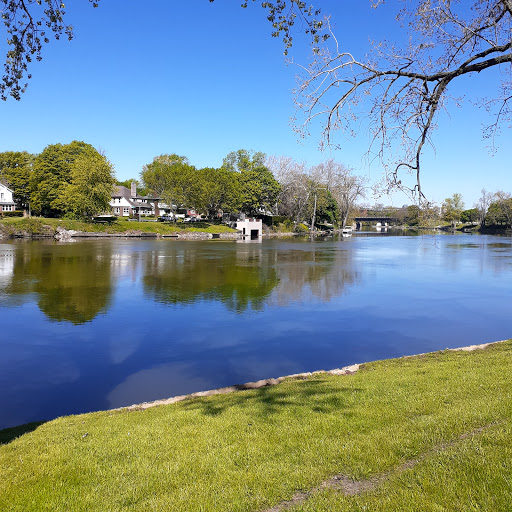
[251, 228]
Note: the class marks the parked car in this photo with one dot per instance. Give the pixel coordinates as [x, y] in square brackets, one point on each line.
[166, 218]
[190, 219]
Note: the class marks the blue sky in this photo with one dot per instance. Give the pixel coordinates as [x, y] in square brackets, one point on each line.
[202, 79]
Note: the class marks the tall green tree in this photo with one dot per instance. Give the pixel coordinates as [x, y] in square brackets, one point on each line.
[471, 215]
[452, 209]
[15, 168]
[91, 187]
[327, 209]
[413, 215]
[217, 190]
[500, 210]
[52, 174]
[171, 178]
[259, 189]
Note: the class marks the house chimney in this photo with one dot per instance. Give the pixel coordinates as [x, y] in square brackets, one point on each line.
[134, 189]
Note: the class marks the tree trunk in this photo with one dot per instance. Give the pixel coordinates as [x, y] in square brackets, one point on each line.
[314, 215]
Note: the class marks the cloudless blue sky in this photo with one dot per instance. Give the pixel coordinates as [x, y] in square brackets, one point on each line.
[202, 79]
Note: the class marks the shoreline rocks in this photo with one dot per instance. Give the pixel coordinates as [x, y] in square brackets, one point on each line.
[346, 370]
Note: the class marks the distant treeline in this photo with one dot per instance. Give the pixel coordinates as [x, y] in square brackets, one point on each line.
[76, 180]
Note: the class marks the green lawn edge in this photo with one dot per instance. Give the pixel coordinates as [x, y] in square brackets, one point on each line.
[46, 226]
[451, 412]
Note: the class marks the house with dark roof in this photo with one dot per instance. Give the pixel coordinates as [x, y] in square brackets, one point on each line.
[127, 203]
[7, 203]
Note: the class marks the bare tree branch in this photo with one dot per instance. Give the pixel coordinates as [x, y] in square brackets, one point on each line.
[400, 92]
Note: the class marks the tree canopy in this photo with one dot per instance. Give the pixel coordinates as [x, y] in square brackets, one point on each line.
[329, 190]
[90, 189]
[259, 190]
[452, 208]
[168, 177]
[217, 190]
[53, 173]
[29, 25]
[500, 210]
[15, 168]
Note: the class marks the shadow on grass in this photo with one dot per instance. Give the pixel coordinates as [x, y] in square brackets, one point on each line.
[316, 395]
[10, 434]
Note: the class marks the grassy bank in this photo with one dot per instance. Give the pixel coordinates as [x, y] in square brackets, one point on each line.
[44, 226]
[426, 433]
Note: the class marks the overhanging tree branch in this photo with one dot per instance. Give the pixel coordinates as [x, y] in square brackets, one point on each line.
[400, 92]
[27, 23]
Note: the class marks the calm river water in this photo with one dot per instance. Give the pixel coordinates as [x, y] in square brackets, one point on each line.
[100, 324]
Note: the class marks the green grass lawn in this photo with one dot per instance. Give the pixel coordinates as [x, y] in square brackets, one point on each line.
[47, 226]
[429, 433]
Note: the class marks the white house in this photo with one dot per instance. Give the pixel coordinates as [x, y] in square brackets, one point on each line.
[126, 202]
[7, 203]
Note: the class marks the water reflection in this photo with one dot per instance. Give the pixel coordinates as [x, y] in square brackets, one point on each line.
[320, 270]
[72, 282]
[238, 276]
[248, 276]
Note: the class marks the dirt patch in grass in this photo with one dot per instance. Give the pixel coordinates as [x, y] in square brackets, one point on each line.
[350, 487]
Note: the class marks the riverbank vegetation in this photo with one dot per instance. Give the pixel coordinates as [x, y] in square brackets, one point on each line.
[74, 181]
[431, 432]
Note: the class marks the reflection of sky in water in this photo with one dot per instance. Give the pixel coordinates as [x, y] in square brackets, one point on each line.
[103, 324]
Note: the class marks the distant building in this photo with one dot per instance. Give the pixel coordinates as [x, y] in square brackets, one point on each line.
[7, 203]
[126, 202]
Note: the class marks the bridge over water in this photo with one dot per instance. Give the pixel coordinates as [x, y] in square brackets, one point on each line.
[379, 221]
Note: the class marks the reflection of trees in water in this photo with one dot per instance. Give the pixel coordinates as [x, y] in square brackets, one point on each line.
[318, 271]
[243, 276]
[238, 276]
[72, 281]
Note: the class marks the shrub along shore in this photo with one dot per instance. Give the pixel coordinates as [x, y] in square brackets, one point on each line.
[430, 432]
